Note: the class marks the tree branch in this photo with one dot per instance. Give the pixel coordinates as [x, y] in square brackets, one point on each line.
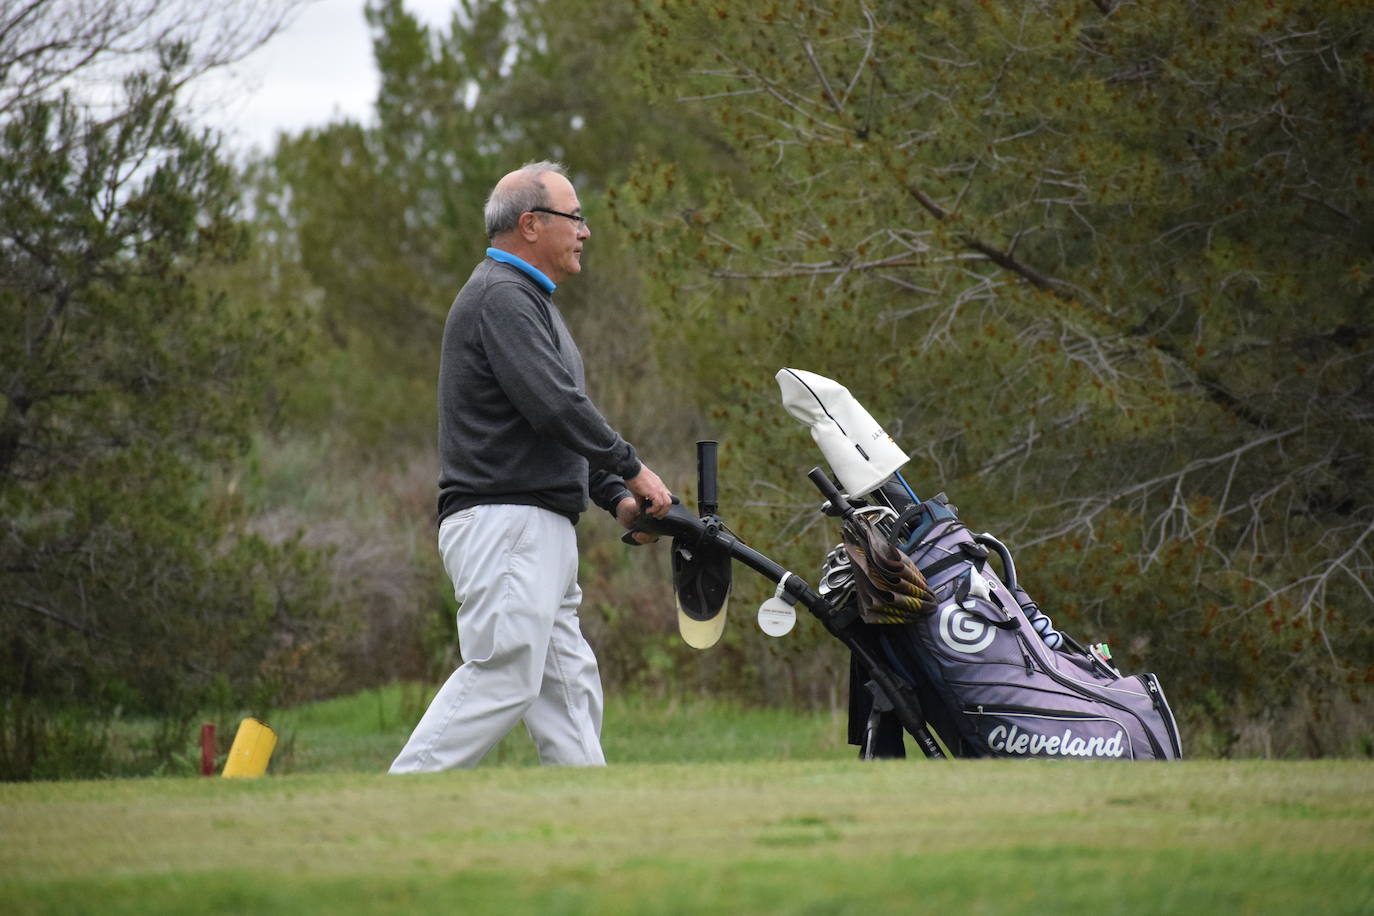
[56, 618]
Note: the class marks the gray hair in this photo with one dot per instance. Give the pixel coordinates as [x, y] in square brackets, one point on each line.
[506, 204]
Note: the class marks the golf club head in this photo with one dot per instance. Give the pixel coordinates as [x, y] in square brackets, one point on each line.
[859, 451]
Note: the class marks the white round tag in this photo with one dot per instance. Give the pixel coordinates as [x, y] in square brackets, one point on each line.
[777, 617]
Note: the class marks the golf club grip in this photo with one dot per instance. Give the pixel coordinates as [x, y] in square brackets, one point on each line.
[706, 477]
[822, 482]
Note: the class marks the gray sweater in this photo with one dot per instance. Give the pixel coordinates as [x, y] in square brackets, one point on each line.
[515, 423]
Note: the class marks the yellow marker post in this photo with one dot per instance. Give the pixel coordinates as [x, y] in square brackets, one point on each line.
[252, 749]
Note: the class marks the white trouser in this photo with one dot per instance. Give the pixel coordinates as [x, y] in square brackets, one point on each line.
[514, 572]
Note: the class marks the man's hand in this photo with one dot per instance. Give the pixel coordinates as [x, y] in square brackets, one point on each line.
[647, 486]
[626, 511]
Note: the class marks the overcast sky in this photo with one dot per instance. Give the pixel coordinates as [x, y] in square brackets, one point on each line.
[318, 69]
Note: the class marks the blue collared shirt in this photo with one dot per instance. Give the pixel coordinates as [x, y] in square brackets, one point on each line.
[535, 273]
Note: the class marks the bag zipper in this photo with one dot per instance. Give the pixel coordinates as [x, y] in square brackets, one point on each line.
[1162, 707]
[1074, 687]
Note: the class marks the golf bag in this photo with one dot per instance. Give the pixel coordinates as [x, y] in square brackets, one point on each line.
[985, 667]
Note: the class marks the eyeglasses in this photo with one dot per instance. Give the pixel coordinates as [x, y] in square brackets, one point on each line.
[575, 217]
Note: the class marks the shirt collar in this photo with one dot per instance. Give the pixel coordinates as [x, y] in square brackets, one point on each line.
[534, 273]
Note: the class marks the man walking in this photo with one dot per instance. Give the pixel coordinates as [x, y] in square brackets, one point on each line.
[520, 449]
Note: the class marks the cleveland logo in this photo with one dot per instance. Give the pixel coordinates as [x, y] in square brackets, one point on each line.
[1014, 741]
[963, 632]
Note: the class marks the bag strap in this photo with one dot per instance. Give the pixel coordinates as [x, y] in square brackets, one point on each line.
[1011, 623]
[926, 533]
[968, 552]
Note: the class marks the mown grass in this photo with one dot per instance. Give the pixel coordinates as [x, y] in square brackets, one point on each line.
[758, 837]
[782, 822]
[364, 732]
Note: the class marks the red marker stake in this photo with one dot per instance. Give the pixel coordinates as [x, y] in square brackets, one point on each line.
[207, 749]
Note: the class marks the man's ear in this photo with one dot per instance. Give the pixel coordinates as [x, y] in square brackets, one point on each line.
[528, 226]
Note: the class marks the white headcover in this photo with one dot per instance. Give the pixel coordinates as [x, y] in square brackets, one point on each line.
[859, 451]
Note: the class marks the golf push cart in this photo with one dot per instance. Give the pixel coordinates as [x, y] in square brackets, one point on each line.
[943, 646]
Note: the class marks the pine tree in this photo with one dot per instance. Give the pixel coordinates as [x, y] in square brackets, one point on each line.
[1104, 269]
[127, 379]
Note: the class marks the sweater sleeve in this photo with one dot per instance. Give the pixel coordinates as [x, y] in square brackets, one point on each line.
[607, 490]
[518, 337]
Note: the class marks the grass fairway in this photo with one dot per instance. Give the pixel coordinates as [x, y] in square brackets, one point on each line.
[819, 836]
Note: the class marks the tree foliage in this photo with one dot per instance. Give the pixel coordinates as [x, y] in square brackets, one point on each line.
[126, 379]
[386, 218]
[1104, 268]
[53, 46]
